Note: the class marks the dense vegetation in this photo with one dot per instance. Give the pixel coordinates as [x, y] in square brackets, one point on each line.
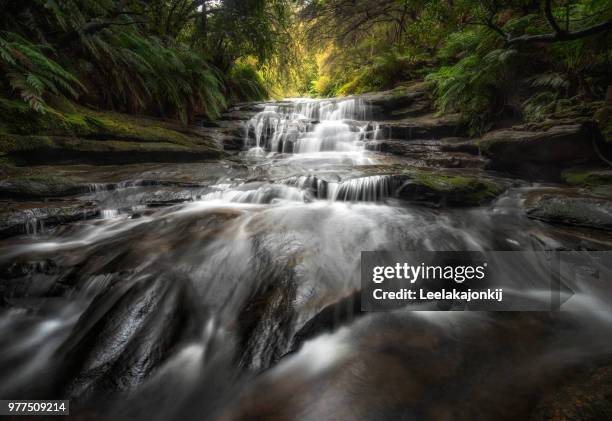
[171, 58]
[488, 60]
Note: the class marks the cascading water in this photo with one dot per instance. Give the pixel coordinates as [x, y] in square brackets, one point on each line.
[210, 308]
[325, 129]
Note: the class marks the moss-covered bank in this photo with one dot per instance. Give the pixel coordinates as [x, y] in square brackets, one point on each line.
[70, 133]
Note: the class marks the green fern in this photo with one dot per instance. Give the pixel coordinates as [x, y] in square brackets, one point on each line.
[538, 106]
[246, 84]
[32, 73]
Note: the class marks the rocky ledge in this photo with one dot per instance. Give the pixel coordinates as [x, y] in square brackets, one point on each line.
[539, 154]
[34, 217]
[570, 207]
[77, 134]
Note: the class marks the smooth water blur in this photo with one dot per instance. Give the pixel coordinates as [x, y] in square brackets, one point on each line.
[184, 306]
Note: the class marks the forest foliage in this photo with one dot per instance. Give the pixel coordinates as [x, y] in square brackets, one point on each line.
[170, 58]
[487, 60]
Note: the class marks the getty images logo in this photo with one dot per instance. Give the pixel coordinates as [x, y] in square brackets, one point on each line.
[413, 273]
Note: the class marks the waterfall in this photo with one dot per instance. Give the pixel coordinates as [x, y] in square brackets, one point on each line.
[309, 126]
[310, 183]
[34, 225]
[256, 194]
[202, 282]
[109, 213]
[306, 188]
[368, 189]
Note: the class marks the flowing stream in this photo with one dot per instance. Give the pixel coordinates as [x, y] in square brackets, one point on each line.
[201, 310]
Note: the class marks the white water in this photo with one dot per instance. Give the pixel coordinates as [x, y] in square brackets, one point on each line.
[298, 224]
[327, 129]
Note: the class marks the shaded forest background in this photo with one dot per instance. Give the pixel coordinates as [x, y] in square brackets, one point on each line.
[182, 59]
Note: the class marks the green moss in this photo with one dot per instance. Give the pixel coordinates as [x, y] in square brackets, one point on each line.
[466, 189]
[444, 188]
[117, 126]
[77, 129]
[587, 176]
[15, 143]
[443, 182]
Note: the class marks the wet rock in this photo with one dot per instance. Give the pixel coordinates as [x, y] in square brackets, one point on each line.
[33, 220]
[587, 176]
[255, 107]
[167, 198]
[459, 144]
[26, 278]
[231, 133]
[40, 186]
[427, 126]
[414, 149]
[439, 189]
[240, 113]
[429, 153]
[401, 102]
[314, 185]
[128, 331]
[330, 318]
[409, 365]
[567, 209]
[585, 397]
[265, 324]
[558, 146]
[456, 160]
[266, 317]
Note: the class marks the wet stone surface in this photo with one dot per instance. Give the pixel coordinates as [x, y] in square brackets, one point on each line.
[232, 286]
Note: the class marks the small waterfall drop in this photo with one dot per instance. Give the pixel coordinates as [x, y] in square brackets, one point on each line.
[367, 189]
[334, 127]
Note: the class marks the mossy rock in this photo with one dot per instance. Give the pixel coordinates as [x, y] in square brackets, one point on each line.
[449, 189]
[571, 209]
[54, 149]
[80, 134]
[587, 176]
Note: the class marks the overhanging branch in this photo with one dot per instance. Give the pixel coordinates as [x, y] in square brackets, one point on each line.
[558, 34]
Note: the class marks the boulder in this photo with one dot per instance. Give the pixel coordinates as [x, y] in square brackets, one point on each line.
[331, 317]
[559, 145]
[127, 332]
[588, 176]
[442, 189]
[567, 208]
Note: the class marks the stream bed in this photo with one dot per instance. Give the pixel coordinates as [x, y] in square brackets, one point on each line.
[229, 289]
